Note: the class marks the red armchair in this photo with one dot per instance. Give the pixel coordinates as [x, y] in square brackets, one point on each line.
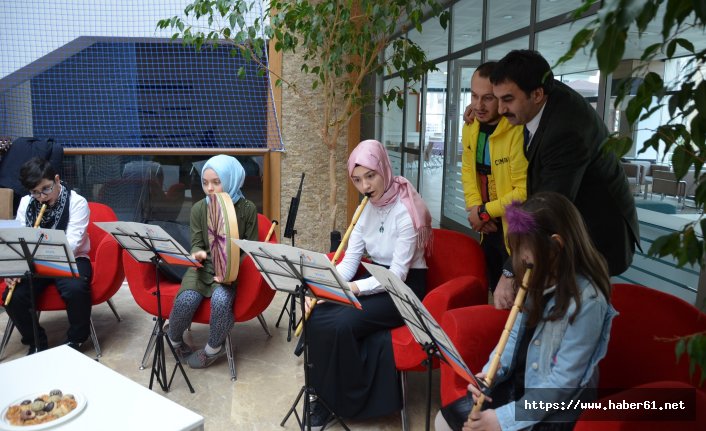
[104, 254]
[640, 352]
[253, 296]
[456, 278]
[474, 332]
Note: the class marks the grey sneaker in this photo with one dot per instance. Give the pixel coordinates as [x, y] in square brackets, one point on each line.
[200, 359]
[182, 349]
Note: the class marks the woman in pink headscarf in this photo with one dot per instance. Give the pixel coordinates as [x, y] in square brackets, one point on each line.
[353, 370]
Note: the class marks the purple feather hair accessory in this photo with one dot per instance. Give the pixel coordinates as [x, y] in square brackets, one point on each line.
[519, 220]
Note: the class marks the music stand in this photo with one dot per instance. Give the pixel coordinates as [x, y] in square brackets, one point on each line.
[28, 253]
[301, 273]
[424, 328]
[151, 244]
[290, 232]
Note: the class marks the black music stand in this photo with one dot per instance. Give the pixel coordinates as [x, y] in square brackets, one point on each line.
[424, 328]
[35, 253]
[290, 232]
[151, 244]
[301, 273]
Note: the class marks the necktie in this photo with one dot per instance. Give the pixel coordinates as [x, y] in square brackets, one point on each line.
[527, 140]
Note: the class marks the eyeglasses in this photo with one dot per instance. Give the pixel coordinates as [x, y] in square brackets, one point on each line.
[45, 191]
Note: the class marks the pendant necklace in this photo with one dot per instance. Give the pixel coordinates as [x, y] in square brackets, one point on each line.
[383, 218]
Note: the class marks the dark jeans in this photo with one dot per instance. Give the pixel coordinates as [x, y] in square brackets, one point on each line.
[458, 411]
[493, 246]
[76, 293]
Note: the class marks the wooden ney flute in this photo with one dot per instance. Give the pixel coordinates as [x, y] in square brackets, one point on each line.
[272, 230]
[495, 363]
[356, 216]
[11, 285]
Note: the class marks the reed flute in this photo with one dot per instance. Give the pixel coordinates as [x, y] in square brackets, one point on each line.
[495, 363]
[272, 230]
[356, 216]
[11, 285]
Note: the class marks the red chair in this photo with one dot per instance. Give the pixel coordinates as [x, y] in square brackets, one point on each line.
[456, 278]
[104, 254]
[641, 352]
[253, 296]
[475, 332]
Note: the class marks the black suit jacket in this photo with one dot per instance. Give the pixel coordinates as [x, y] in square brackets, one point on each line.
[565, 156]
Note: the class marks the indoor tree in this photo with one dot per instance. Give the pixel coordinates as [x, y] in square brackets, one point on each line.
[342, 41]
[685, 133]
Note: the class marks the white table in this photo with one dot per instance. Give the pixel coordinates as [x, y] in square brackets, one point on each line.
[114, 402]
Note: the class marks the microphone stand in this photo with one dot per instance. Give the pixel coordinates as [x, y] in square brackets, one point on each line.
[289, 305]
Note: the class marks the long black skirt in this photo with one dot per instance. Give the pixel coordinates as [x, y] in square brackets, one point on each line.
[353, 367]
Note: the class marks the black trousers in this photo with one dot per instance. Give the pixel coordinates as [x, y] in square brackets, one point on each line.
[76, 293]
[493, 246]
[457, 412]
[350, 351]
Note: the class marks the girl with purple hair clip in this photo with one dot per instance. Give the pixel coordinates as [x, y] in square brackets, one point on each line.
[562, 332]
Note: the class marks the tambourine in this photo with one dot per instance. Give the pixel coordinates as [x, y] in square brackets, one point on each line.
[222, 226]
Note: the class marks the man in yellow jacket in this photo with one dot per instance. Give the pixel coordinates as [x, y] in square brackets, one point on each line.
[493, 171]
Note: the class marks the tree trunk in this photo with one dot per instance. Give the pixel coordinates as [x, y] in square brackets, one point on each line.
[333, 187]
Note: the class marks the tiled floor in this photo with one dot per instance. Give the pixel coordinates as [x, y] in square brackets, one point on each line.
[269, 375]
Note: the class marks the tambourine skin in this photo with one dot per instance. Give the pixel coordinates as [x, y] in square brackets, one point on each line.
[222, 226]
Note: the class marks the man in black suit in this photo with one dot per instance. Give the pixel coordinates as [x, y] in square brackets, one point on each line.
[563, 144]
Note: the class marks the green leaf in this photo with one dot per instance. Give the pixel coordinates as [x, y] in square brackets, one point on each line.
[698, 129]
[680, 348]
[610, 52]
[579, 41]
[665, 245]
[699, 9]
[681, 160]
[618, 145]
[686, 44]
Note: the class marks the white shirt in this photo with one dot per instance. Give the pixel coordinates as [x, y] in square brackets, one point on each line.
[533, 124]
[76, 231]
[395, 246]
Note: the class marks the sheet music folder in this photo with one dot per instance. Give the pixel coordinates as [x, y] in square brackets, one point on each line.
[51, 255]
[142, 241]
[420, 322]
[284, 267]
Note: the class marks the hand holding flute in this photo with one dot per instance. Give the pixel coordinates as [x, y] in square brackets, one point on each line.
[12, 282]
[480, 397]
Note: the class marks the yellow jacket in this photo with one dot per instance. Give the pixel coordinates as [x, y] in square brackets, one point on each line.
[508, 167]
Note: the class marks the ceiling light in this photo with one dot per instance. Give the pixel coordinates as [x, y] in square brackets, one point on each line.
[507, 16]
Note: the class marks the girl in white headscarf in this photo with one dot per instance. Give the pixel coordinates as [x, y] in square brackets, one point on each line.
[219, 174]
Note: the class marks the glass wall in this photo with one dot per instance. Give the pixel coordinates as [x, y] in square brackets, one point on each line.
[483, 30]
[454, 207]
[392, 126]
[429, 151]
[552, 8]
[467, 22]
[506, 16]
[434, 140]
[151, 189]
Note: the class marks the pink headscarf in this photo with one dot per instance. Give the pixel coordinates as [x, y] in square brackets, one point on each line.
[372, 155]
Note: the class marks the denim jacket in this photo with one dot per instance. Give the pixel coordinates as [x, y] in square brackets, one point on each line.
[560, 355]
